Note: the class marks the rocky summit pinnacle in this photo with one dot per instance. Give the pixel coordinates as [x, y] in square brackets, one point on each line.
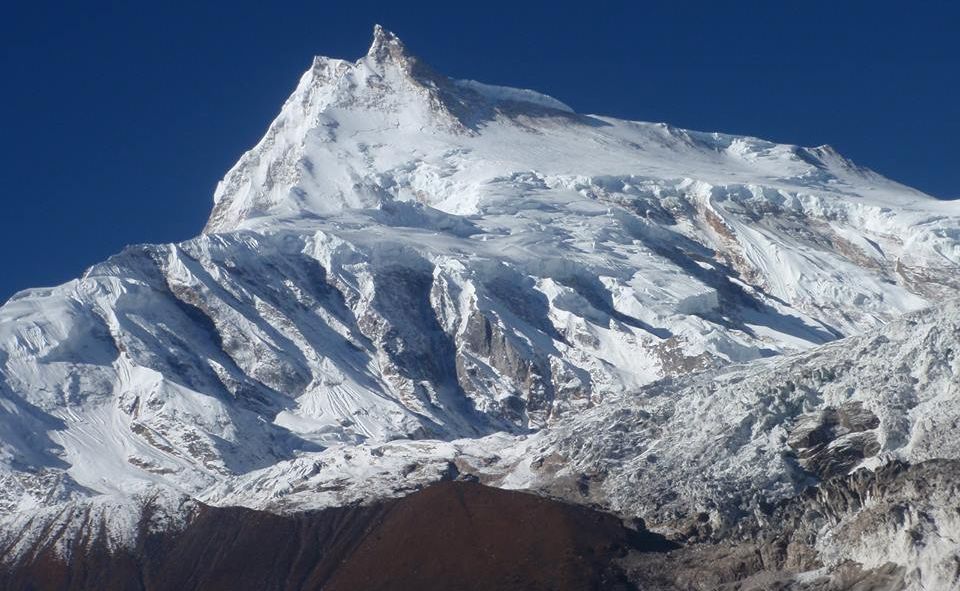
[386, 46]
[412, 279]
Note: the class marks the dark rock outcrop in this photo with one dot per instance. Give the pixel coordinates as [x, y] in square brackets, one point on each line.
[458, 535]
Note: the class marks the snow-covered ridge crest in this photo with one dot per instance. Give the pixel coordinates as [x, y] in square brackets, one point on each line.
[505, 94]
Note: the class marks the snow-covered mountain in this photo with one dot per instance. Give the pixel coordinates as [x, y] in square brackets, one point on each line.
[412, 276]
[726, 455]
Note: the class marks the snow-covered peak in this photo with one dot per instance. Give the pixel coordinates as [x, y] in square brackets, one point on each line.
[387, 127]
[405, 257]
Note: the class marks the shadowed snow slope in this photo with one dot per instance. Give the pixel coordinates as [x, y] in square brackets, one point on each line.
[458, 266]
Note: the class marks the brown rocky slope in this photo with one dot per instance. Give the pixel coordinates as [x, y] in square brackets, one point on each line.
[453, 535]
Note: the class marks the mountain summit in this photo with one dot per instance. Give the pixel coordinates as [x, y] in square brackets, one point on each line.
[387, 47]
[387, 95]
[411, 278]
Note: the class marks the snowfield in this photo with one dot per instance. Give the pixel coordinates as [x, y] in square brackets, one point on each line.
[412, 278]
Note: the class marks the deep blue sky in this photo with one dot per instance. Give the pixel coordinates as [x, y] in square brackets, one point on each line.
[117, 122]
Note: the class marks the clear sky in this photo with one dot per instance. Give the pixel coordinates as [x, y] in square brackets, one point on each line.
[117, 121]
